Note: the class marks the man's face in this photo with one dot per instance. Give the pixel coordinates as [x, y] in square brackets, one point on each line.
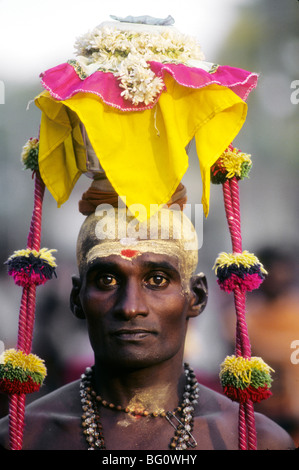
[136, 309]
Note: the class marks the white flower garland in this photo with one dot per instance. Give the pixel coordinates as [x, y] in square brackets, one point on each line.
[126, 54]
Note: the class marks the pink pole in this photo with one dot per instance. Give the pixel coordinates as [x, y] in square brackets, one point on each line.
[247, 431]
[26, 320]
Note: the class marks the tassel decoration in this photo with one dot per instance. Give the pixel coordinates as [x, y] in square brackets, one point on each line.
[29, 155]
[245, 379]
[31, 267]
[241, 270]
[232, 163]
[21, 373]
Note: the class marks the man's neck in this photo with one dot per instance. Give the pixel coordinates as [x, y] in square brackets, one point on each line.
[151, 388]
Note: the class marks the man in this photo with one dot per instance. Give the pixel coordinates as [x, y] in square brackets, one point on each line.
[137, 294]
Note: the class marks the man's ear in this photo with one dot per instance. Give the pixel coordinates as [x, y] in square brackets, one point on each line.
[199, 294]
[75, 302]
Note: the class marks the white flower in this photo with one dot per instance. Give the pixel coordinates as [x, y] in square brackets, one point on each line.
[127, 54]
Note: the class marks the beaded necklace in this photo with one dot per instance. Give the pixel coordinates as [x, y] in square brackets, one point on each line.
[181, 419]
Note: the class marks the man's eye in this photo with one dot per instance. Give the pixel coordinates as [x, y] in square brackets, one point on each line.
[106, 281]
[158, 281]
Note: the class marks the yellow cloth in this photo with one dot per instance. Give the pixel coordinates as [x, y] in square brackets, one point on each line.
[143, 152]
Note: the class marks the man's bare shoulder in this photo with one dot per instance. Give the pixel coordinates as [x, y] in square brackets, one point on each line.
[52, 415]
[64, 402]
[64, 399]
[271, 436]
[221, 416]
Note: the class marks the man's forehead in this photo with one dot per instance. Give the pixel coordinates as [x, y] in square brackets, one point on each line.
[145, 260]
[96, 241]
[157, 250]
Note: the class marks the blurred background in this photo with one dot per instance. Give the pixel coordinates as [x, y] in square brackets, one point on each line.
[258, 35]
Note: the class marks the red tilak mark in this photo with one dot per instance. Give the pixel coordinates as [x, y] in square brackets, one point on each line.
[129, 253]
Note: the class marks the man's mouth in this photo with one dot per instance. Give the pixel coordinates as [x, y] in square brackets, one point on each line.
[132, 334]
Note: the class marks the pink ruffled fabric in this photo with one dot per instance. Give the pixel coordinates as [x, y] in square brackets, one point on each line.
[238, 80]
[63, 82]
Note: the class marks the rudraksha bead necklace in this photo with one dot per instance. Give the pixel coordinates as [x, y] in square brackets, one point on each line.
[181, 419]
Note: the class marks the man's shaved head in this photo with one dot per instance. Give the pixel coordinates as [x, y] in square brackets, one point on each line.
[115, 232]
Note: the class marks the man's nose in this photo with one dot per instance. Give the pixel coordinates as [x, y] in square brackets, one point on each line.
[132, 301]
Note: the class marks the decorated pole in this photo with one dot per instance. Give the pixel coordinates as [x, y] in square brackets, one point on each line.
[20, 371]
[244, 378]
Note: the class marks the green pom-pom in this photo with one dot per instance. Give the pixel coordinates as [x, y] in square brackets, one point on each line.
[241, 373]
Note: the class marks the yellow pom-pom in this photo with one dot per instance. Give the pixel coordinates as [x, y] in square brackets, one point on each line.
[237, 366]
[233, 161]
[44, 254]
[244, 259]
[231, 164]
[241, 367]
[27, 362]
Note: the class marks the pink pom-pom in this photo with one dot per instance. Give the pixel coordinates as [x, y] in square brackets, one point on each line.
[246, 284]
[25, 279]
